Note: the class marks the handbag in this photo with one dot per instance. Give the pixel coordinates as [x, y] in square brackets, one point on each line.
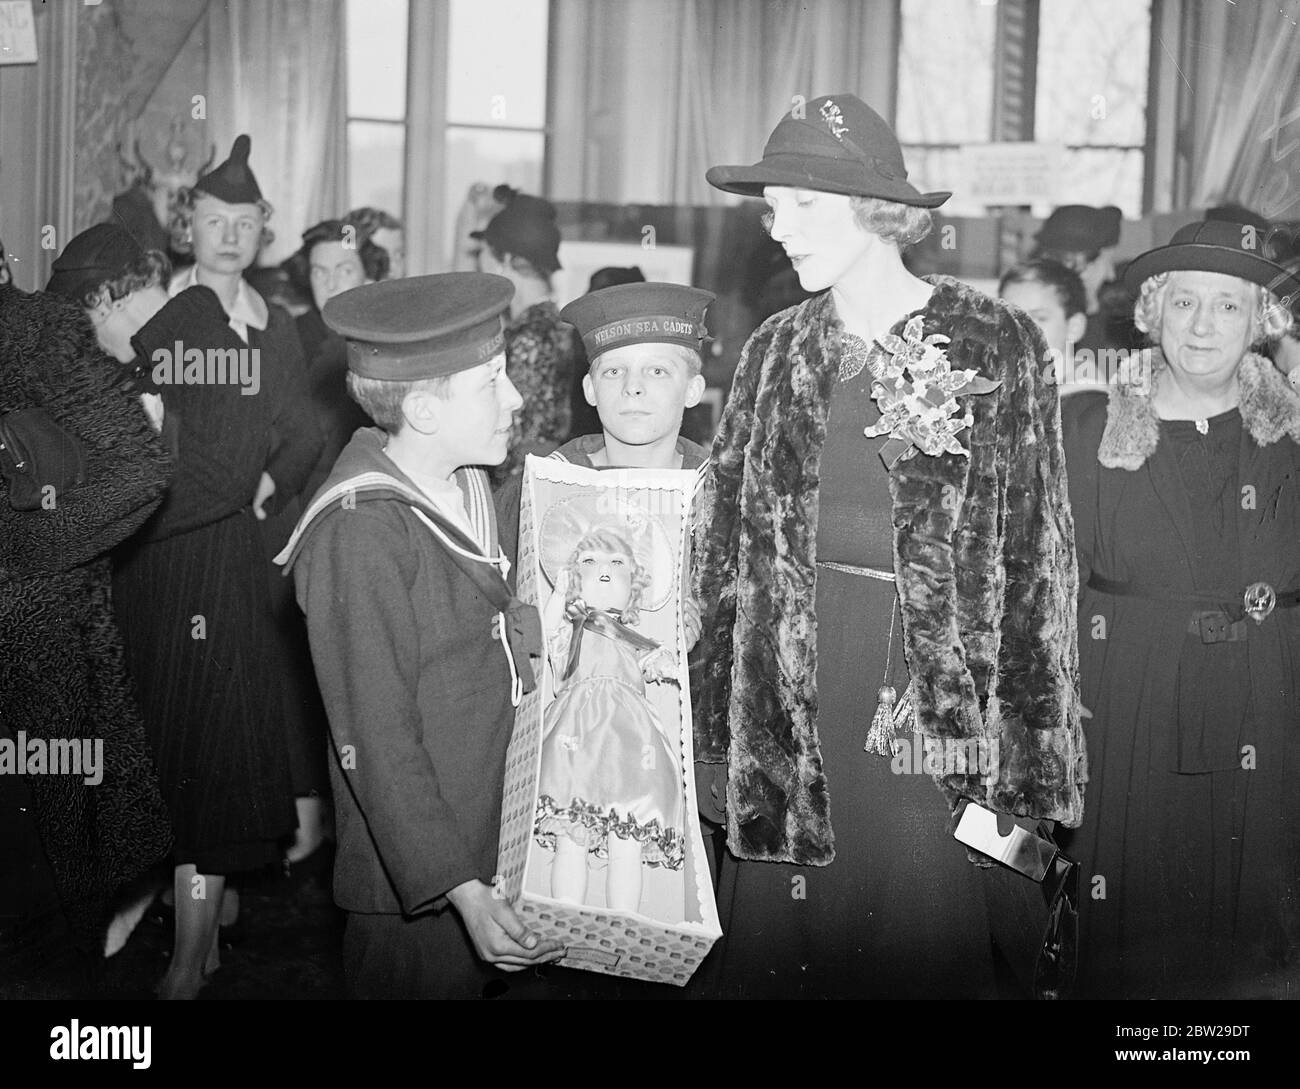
[1032, 893]
[36, 453]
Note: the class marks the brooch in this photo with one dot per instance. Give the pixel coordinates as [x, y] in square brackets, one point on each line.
[916, 390]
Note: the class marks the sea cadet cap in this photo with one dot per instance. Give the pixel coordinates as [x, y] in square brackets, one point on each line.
[422, 326]
[526, 228]
[646, 313]
[97, 254]
[233, 180]
[1234, 249]
[834, 144]
[1080, 228]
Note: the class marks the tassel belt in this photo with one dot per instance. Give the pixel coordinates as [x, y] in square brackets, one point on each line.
[1226, 622]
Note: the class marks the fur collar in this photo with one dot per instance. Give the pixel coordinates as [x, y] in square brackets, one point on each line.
[1270, 409]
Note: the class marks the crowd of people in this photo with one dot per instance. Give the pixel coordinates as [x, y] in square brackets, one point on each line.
[281, 593]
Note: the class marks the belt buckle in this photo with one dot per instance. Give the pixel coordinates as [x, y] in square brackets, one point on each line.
[1215, 627]
[1260, 599]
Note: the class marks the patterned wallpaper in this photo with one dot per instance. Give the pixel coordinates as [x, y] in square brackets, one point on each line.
[138, 64]
[104, 65]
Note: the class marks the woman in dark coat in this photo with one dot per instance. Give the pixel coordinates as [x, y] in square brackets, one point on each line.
[191, 593]
[62, 674]
[826, 577]
[1185, 486]
[223, 220]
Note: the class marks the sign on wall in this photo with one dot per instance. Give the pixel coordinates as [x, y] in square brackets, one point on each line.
[1011, 173]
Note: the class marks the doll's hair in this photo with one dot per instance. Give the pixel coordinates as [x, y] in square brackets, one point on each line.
[614, 541]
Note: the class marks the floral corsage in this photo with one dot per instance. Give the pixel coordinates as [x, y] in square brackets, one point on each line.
[916, 390]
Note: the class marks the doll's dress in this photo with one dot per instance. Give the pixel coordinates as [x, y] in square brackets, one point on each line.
[608, 766]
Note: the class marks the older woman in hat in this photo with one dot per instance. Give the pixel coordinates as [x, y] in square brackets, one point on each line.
[833, 563]
[1186, 496]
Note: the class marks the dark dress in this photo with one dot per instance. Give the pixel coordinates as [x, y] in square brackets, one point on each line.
[1190, 843]
[900, 912]
[191, 595]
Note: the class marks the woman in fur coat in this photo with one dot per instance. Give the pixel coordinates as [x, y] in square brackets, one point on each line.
[833, 564]
[62, 672]
[1185, 485]
[189, 589]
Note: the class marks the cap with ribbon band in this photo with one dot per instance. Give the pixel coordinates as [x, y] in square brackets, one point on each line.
[422, 326]
[639, 314]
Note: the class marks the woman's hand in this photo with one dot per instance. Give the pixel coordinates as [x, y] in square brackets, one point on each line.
[265, 489]
[153, 408]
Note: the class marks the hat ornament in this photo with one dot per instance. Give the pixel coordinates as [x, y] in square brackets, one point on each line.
[834, 119]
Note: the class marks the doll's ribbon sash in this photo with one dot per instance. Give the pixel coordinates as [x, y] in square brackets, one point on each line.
[602, 623]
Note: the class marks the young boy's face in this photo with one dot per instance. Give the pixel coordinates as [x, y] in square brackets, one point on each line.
[472, 422]
[641, 390]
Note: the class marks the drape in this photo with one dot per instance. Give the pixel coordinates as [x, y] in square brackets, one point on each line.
[647, 94]
[1246, 99]
[276, 71]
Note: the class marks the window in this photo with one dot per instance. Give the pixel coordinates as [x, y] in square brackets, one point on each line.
[1090, 74]
[1092, 97]
[376, 59]
[490, 57]
[496, 97]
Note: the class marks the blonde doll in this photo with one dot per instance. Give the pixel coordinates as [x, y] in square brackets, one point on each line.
[610, 784]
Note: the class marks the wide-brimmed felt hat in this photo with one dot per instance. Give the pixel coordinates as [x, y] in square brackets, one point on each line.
[569, 520]
[834, 144]
[1080, 228]
[1233, 249]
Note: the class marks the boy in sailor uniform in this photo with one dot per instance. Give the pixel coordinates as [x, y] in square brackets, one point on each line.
[420, 649]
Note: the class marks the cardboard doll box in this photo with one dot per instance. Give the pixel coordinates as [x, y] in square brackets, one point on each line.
[677, 921]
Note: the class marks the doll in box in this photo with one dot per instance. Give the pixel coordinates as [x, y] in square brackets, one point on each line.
[610, 788]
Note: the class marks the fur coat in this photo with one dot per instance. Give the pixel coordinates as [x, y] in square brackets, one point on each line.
[62, 671]
[984, 562]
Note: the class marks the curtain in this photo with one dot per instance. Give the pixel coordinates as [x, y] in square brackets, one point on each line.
[1246, 135]
[647, 94]
[276, 71]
